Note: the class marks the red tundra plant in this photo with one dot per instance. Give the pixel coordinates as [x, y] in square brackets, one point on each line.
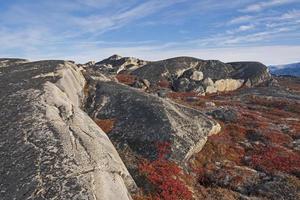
[182, 95]
[164, 175]
[126, 79]
[105, 124]
[164, 84]
[276, 137]
[272, 159]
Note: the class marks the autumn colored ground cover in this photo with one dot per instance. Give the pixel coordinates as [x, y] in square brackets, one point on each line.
[261, 140]
[232, 161]
[290, 83]
[275, 158]
[105, 124]
[164, 83]
[126, 79]
[165, 177]
[182, 95]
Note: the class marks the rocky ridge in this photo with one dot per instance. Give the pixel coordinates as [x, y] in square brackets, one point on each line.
[49, 147]
[185, 128]
[186, 74]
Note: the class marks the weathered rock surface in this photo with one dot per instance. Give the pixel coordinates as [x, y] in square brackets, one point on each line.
[50, 148]
[256, 72]
[225, 115]
[176, 67]
[186, 72]
[118, 64]
[197, 76]
[142, 120]
[224, 85]
[166, 69]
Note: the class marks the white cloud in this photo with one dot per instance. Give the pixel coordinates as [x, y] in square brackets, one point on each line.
[256, 7]
[293, 14]
[241, 28]
[113, 20]
[246, 27]
[240, 19]
[45, 31]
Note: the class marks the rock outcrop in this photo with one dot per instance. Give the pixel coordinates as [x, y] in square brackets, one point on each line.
[118, 64]
[255, 72]
[186, 66]
[224, 85]
[143, 120]
[166, 69]
[49, 147]
[189, 74]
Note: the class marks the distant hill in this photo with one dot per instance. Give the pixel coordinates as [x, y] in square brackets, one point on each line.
[289, 69]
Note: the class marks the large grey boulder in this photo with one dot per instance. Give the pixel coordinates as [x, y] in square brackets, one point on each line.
[165, 69]
[225, 115]
[143, 120]
[49, 147]
[256, 72]
[181, 85]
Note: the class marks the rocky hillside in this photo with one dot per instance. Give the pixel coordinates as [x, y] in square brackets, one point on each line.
[124, 128]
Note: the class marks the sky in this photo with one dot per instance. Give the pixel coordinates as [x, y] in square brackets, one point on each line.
[82, 30]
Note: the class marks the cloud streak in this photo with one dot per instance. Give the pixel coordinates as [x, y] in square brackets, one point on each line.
[93, 29]
[256, 7]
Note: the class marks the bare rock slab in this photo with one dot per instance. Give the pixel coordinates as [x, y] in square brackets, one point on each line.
[49, 147]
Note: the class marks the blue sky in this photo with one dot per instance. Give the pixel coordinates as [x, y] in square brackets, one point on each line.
[83, 30]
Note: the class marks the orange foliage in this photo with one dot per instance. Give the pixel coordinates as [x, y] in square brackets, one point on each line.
[126, 79]
[105, 124]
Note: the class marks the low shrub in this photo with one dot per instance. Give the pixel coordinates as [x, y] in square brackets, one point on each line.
[276, 137]
[272, 159]
[164, 83]
[164, 175]
[126, 79]
[105, 124]
[182, 95]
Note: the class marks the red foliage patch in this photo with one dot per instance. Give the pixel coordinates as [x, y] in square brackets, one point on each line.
[105, 124]
[165, 175]
[273, 159]
[280, 104]
[292, 84]
[295, 129]
[182, 95]
[126, 79]
[164, 84]
[279, 138]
